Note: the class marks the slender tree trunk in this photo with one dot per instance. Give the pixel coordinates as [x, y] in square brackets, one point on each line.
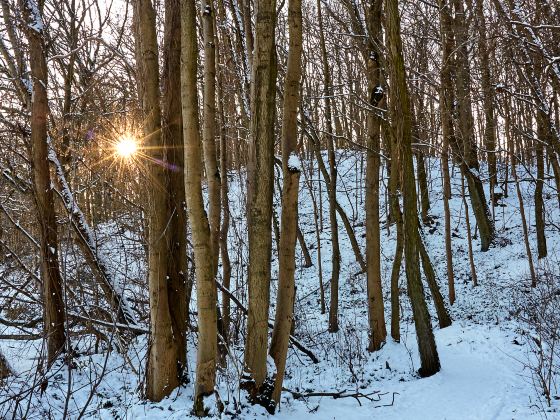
[201, 236]
[395, 272]
[260, 177]
[335, 274]
[305, 251]
[290, 190]
[376, 311]
[402, 130]
[224, 189]
[420, 167]
[53, 302]
[316, 216]
[442, 313]
[513, 160]
[469, 236]
[446, 101]
[208, 129]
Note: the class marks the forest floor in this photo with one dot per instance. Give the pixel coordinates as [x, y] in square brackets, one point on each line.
[485, 355]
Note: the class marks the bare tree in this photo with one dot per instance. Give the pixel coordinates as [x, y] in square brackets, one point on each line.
[402, 127]
[260, 186]
[290, 190]
[204, 271]
[53, 301]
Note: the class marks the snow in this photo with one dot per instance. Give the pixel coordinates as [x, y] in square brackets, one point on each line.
[89, 237]
[484, 354]
[37, 21]
[294, 163]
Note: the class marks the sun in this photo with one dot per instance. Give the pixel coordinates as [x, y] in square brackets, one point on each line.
[126, 147]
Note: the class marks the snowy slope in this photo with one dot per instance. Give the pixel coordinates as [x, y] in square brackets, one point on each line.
[483, 354]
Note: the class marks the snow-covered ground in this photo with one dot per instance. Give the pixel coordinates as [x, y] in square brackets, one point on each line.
[484, 354]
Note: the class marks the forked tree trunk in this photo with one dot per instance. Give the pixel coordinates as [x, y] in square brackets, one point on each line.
[402, 131]
[260, 177]
[204, 263]
[53, 303]
[290, 190]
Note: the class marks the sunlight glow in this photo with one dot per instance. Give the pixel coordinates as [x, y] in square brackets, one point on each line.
[126, 147]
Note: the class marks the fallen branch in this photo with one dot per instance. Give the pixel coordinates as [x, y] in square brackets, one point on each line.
[87, 243]
[373, 396]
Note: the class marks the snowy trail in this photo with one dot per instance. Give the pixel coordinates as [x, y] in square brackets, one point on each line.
[476, 382]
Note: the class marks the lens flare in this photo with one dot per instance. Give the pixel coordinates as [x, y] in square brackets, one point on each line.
[126, 147]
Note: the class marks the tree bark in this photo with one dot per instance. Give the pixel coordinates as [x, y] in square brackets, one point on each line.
[172, 133]
[260, 177]
[446, 101]
[208, 129]
[290, 190]
[376, 310]
[542, 134]
[162, 367]
[201, 236]
[402, 130]
[335, 274]
[53, 302]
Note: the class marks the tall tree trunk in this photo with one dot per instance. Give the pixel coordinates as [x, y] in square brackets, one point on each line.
[402, 130]
[446, 101]
[333, 306]
[172, 132]
[376, 311]
[208, 130]
[201, 236]
[53, 302]
[260, 177]
[290, 190]
[162, 374]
